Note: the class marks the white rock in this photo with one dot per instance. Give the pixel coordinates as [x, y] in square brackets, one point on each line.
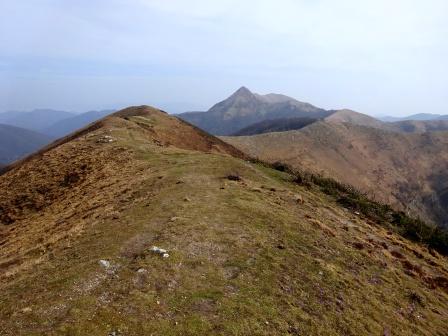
[158, 250]
[104, 263]
[165, 255]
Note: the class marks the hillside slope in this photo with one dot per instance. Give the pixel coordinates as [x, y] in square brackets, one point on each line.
[250, 253]
[244, 108]
[420, 126]
[408, 171]
[275, 125]
[355, 118]
[17, 142]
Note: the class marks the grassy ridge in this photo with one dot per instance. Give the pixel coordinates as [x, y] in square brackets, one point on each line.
[414, 229]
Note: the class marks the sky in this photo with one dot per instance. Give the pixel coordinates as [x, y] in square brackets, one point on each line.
[380, 57]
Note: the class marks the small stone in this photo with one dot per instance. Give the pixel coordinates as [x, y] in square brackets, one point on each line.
[160, 251]
[26, 310]
[266, 322]
[158, 302]
[186, 199]
[141, 270]
[104, 263]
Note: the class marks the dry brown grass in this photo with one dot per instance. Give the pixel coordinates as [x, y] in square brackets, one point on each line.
[245, 257]
[407, 171]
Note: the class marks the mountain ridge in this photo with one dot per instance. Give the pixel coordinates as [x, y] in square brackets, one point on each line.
[81, 221]
[397, 168]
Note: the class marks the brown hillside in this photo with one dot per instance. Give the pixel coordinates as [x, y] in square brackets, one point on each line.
[420, 126]
[356, 118]
[161, 128]
[249, 252]
[408, 171]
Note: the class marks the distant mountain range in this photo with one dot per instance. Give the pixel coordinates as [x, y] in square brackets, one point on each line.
[399, 161]
[244, 108]
[402, 163]
[53, 123]
[16, 142]
[419, 116]
[404, 126]
[24, 132]
[36, 120]
[245, 111]
[71, 124]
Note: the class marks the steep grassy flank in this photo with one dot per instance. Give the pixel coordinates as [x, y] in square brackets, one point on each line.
[251, 255]
[415, 229]
[406, 171]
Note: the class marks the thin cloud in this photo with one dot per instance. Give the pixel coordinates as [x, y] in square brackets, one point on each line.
[376, 49]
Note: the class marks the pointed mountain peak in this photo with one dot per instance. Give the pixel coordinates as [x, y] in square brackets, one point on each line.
[243, 91]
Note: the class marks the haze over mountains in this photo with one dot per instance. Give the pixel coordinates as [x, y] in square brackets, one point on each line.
[36, 120]
[17, 142]
[419, 116]
[246, 250]
[73, 123]
[245, 109]
[34, 129]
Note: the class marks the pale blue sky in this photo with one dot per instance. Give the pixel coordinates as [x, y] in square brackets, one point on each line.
[377, 57]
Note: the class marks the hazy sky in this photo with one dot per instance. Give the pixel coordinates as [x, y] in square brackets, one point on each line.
[375, 56]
